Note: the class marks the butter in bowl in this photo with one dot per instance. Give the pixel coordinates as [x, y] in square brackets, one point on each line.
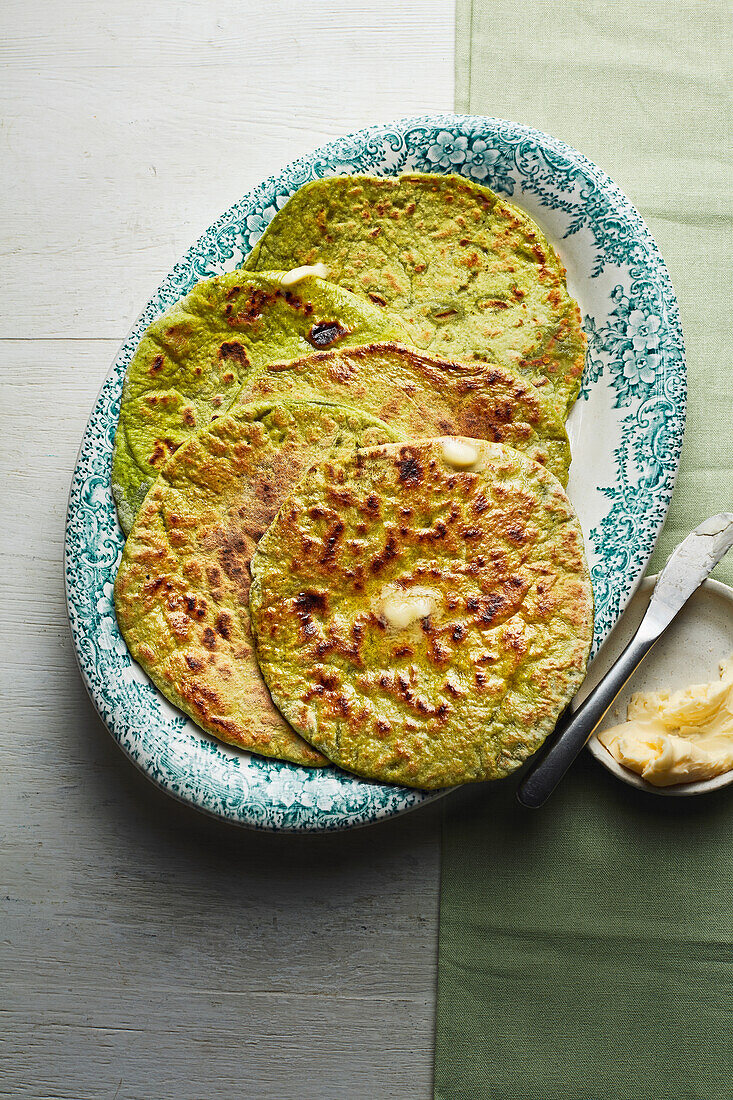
[672, 737]
[670, 731]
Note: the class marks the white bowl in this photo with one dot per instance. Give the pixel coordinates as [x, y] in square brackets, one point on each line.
[689, 652]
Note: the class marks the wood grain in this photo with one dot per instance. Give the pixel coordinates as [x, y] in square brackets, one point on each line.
[148, 952]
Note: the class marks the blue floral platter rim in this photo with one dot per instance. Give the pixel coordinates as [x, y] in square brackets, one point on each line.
[628, 425]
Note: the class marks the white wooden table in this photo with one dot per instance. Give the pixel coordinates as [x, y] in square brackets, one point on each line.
[146, 951]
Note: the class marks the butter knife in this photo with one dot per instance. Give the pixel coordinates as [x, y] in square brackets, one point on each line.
[687, 568]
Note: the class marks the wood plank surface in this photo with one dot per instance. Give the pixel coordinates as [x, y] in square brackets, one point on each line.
[148, 952]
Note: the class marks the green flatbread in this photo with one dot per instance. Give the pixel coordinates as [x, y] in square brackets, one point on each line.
[471, 276]
[423, 395]
[423, 611]
[182, 589]
[191, 362]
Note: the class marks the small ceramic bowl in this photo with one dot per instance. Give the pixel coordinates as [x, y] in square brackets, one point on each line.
[689, 652]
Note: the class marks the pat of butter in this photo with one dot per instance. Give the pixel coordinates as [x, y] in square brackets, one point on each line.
[459, 454]
[677, 737]
[290, 278]
[401, 607]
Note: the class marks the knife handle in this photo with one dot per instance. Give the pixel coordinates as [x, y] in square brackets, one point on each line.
[540, 782]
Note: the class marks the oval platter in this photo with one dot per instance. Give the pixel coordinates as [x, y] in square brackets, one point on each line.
[625, 430]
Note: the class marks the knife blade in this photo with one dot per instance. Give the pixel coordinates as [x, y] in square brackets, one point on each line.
[687, 567]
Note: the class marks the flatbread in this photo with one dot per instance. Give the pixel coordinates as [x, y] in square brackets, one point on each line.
[422, 395]
[182, 589]
[471, 275]
[423, 611]
[191, 362]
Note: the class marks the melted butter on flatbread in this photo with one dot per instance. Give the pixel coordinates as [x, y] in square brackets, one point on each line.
[307, 271]
[402, 608]
[459, 454]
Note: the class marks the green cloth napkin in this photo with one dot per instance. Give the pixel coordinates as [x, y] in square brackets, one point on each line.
[586, 949]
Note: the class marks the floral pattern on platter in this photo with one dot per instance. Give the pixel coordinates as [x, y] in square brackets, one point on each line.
[634, 382]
